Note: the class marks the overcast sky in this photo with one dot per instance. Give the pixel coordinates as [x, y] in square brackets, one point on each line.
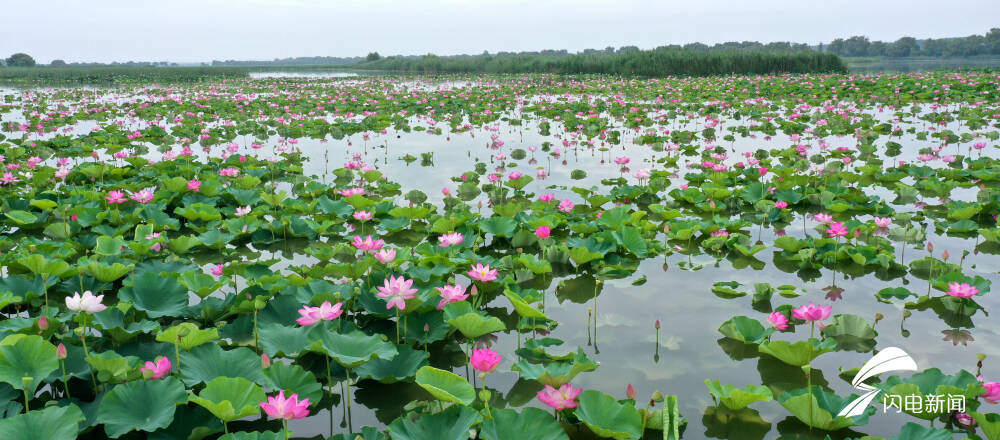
[203, 30]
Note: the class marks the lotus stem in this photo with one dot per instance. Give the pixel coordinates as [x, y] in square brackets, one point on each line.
[62, 366]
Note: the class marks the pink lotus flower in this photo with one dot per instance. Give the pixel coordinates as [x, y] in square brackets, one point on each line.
[883, 221]
[194, 185]
[385, 256]
[622, 160]
[485, 360]
[515, 175]
[762, 171]
[543, 232]
[992, 393]
[450, 294]
[362, 215]
[292, 408]
[542, 198]
[115, 196]
[781, 204]
[87, 302]
[823, 218]
[143, 196]
[778, 320]
[836, 229]
[352, 192]
[962, 290]
[965, 419]
[156, 370]
[812, 312]
[450, 239]
[368, 244]
[229, 172]
[560, 399]
[565, 206]
[482, 273]
[396, 291]
[217, 270]
[325, 312]
[243, 210]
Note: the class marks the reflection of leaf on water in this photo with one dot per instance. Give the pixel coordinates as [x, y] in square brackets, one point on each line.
[737, 350]
[523, 392]
[745, 424]
[953, 311]
[781, 377]
[388, 400]
[851, 332]
[579, 290]
[792, 429]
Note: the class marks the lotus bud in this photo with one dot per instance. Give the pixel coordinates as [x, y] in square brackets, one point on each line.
[61, 351]
[944, 255]
[265, 361]
[427, 328]
[474, 291]
[26, 381]
[930, 247]
[666, 229]
[630, 391]
[657, 324]
[43, 323]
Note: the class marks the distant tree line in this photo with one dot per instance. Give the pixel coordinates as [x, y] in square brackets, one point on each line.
[657, 62]
[859, 46]
[297, 61]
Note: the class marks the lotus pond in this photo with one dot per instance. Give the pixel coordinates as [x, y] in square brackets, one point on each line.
[501, 257]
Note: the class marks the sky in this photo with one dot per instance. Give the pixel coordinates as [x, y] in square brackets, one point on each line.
[203, 30]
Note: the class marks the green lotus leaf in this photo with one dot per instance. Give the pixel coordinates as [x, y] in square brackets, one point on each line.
[39, 265]
[293, 379]
[200, 283]
[500, 226]
[141, 405]
[800, 353]
[21, 217]
[156, 295]
[913, 431]
[472, 324]
[26, 361]
[445, 385]
[187, 335]
[748, 330]
[109, 246]
[989, 423]
[367, 433]
[608, 418]
[286, 340]
[451, 424]
[530, 424]
[50, 423]
[208, 361]
[266, 435]
[825, 406]
[107, 273]
[735, 398]
[555, 373]
[229, 398]
[523, 308]
[851, 332]
[355, 348]
[404, 365]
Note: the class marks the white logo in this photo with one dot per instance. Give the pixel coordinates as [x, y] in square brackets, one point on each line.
[890, 359]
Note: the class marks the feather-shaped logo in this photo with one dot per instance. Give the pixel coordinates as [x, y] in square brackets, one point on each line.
[890, 359]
